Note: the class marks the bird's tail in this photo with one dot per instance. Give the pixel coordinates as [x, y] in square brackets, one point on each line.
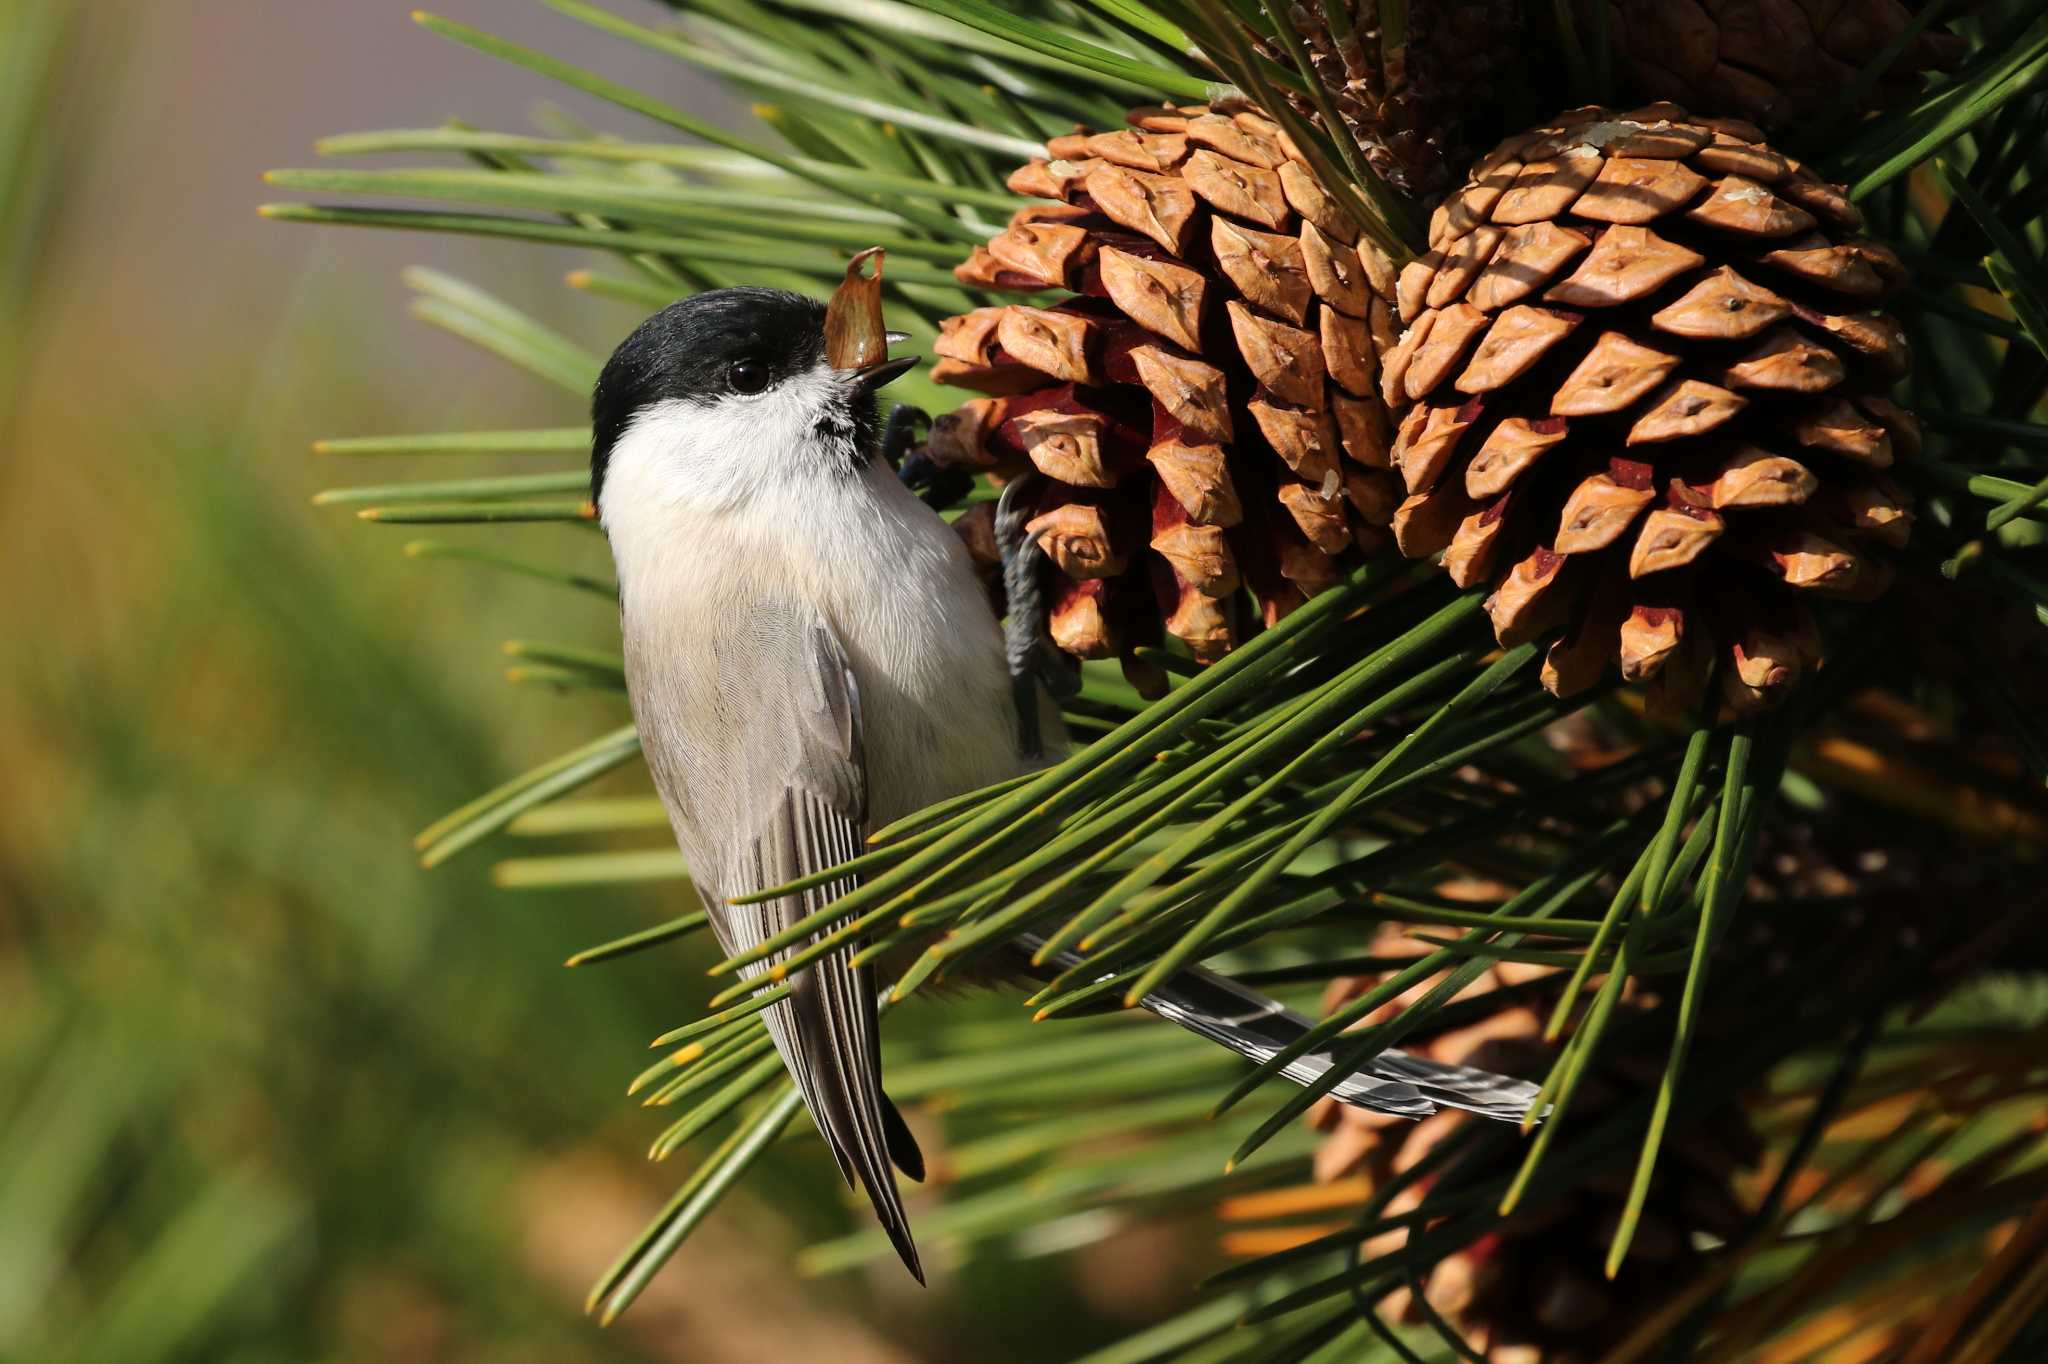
[1258, 1028]
[825, 1031]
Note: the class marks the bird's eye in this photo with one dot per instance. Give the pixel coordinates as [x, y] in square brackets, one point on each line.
[747, 377]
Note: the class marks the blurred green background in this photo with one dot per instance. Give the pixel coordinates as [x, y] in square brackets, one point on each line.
[268, 1091]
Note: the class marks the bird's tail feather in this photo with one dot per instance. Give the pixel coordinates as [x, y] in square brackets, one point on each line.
[903, 1147]
[1258, 1028]
[826, 1033]
[826, 1029]
[1484, 1092]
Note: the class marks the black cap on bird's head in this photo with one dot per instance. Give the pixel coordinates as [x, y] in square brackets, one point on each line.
[743, 342]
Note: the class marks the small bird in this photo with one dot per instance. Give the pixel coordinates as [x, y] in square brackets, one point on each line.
[810, 656]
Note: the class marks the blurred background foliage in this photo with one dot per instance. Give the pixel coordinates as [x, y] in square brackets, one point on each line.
[267, 1092]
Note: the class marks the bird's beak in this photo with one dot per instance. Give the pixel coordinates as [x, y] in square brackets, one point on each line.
[872, 377]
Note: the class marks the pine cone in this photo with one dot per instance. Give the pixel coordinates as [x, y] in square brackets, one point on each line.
[1533, 1290]
[1407, 105]
[1204, 407]
[1774, 61]
[1641, 392]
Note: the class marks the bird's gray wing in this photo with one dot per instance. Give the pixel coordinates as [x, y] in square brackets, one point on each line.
[781, 749]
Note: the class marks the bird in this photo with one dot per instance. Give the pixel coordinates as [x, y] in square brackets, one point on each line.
[810, 655]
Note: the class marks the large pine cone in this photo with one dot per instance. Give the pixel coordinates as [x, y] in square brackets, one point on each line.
[1204, 407]
[1408, 104]
[1774, 61]
[1642, 393]
[1533, 1289]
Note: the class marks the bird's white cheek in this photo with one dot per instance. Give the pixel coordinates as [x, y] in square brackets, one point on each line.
[736, 459]
[714, 455]
[678, 455]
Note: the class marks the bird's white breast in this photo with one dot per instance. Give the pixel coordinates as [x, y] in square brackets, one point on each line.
[891, 579]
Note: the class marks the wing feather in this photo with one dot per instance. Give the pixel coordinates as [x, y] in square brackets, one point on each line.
[782, 768]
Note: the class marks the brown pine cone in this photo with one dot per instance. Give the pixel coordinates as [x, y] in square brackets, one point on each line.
[1202, 401]
[1641, 394]
[1533, 1290]
[1411, 105]
[1773, 61]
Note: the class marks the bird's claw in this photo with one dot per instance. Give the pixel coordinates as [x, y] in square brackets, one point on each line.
[899, 433]
[1027, 637]
[938, 487]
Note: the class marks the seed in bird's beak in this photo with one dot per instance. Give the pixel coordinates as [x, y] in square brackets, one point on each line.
[854, 337]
